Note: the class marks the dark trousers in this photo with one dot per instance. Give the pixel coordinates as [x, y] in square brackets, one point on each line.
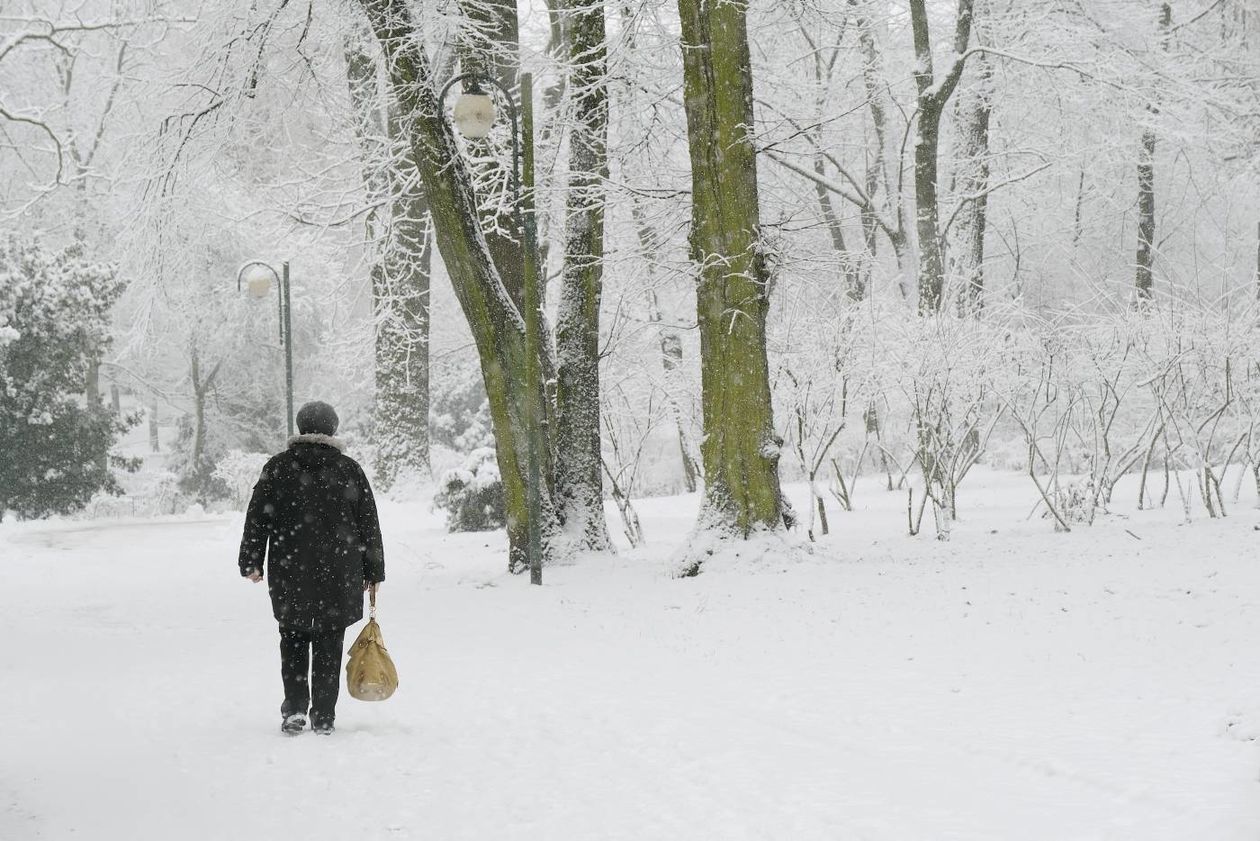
[313, 681]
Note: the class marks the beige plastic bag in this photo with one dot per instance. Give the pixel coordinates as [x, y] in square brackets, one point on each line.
[370, 674]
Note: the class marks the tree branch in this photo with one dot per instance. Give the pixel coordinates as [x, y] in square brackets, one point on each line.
[17, 118]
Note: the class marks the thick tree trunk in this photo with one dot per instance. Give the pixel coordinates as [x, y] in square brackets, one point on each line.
[933, 95]
[877, 177]
[155, 442]
[398, 229]
[402, 373]
[1144, 279]
[927, 213]
[494, 319]
[974, 112]
[579, 475]
[553, 113]
[740, 449]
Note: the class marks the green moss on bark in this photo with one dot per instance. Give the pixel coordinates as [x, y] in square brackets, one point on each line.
[740, 450]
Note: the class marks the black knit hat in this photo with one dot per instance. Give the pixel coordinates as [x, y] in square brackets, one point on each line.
[317, 417]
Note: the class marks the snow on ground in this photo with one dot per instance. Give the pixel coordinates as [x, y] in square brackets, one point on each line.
[1013, 684]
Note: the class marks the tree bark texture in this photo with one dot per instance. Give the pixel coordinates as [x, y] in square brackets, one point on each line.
[402, 406]
[1144, 279]
[398, 227]
[1144, 276]
[579, 475]
[933, 96]
[495, 320]
[876, 165]
[490, 46]
[155, 442]
[740, 449]
[854, 284]
[974, 111]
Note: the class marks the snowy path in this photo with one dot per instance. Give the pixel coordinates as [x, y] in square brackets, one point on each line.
[1022, 685]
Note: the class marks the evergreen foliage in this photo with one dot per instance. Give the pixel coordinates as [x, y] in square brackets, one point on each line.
[54, 324]
[472, 495]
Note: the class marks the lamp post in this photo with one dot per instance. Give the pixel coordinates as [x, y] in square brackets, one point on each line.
[258, 283]
[474, 115]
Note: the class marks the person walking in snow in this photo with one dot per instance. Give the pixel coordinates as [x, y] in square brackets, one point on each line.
[313, 508]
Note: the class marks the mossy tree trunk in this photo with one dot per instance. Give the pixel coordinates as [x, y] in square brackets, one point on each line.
[493, 316]
[579, 476]
[740, 449]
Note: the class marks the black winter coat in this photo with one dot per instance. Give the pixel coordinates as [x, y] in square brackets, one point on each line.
[314, 508]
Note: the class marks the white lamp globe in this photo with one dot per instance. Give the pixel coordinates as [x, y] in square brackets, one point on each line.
[474, 114]
[258, 281]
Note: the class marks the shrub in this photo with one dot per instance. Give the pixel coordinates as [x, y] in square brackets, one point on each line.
[239, 471]
[472, 495]
[54, 325]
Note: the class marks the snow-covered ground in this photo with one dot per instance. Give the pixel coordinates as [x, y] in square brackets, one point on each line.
[1013, 684]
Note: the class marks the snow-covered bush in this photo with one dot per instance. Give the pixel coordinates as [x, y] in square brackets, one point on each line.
[1200, 376]
[472, 495]
[948, 372]
[630, 423]
[239, 471]
[194, 461]
[54, 327]
[1104, 396]
[822, 388]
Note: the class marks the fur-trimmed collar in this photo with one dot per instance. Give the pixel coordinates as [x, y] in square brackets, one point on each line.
[316, 438]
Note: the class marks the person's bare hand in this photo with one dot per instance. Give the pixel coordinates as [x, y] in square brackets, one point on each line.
[254, 576]
[371, 586]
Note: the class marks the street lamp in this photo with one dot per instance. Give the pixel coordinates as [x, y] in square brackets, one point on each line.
[474, 115]
[474, 112]
[257, 277]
